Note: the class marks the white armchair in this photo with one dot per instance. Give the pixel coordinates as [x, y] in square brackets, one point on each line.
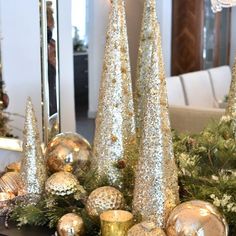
[193, 98]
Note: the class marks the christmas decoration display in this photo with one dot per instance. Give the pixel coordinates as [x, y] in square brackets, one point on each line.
[115, 122]
[156, 190]
[76, 195]
[146, 229]
[68, 152]
[196, 218]
[33, 166]
[103, 199]
[11, 183]
[70, 224]
[231, 105]
[116, 222]
[61, 184]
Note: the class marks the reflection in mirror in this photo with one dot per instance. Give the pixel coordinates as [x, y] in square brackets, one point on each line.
[50, 69]
[80, 28]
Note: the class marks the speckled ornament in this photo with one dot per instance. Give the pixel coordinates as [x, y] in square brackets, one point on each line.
[146, 229]
[196, 218]
[61, 184]
[68, 151]
[103, 199]
[70, 225]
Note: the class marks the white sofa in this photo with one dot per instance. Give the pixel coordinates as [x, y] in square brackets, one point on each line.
[194, 98]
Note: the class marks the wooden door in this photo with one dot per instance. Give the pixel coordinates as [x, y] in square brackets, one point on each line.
[200, 38]
[187, 25]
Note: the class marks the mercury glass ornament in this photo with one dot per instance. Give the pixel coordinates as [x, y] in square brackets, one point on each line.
[61, 184]
[11, 182]
[68, 149]
[15, 167]
[196, 218]
[146, 229]
[103, 199]
[70, 225]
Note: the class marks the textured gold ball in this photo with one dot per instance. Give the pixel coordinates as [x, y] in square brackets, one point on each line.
[70, 225]
[146, 229]
[103, 199]
[11, 182]
[68, 149]
[61, 184]
[196, 218]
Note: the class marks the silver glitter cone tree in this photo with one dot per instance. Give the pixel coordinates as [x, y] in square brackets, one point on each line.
[156, 182]
[115, 122]
[144, 59]
[33, 167]
[231, 106]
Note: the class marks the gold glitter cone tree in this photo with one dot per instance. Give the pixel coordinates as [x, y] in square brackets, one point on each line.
[115, 122]
[33, 167]
[156, 182]
[231, 106]
[144, 59]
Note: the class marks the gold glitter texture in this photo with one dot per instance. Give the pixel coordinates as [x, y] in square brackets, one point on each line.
[231, 106]
[115, 122]
[156, 182]
[144, 60]
[33, 168]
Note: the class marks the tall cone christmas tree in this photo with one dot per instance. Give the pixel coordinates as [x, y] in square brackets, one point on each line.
[115, 122]
[231, 106]
[33, 168]
[156, 181]
[144, 59]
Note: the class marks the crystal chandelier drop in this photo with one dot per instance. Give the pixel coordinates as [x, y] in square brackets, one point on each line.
[217, 5]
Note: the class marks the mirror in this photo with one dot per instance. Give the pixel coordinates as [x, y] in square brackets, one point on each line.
[30, 64]
[50, 69]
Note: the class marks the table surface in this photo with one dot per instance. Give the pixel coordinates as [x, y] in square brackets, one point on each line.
[26, 231]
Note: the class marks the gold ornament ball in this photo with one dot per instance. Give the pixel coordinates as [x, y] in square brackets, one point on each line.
[13, 167]
[11, 182]
[103, 199]
[146, 229]
[196, 218]
[68, 149]
[70, 225]
[61, 184]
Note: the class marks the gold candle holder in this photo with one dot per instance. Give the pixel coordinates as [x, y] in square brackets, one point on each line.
[116, 222]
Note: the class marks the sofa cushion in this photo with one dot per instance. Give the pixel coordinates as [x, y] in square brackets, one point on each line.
[192, 119]
[221, 79]
[175, 91]
[198, 89]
